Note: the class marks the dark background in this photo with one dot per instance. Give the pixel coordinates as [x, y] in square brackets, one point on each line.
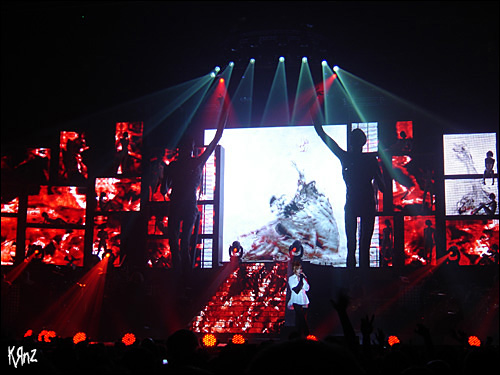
[63, 61]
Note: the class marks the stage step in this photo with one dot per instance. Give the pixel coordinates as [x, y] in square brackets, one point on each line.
[251, 300]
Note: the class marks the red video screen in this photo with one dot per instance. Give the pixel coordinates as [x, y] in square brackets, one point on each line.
[62, 247]
[118, 194]
[57, 205]
[72, 163]
[128, 144]
[106, 238]
[9, 235]
[419, 240]
[472, 242]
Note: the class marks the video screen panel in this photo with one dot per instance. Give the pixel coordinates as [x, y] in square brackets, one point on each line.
[57, 205]
[419, 240]
[11, 206]
[158, 188]
[9, 235]
[158, 253]
[128, 143]
[385, 235]
[472, 242]
[283, 184]
[106, 239]
[118, 194]
[469, 197]
[62, 247]
[72, 164]
[466, 154]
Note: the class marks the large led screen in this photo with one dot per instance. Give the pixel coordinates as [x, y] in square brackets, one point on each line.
[470, 197]
[419, 240]
[282, 184]
[466, 154]
[472, 242]
[9, 231]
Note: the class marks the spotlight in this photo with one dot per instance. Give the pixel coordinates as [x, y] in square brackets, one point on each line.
[393, 340]
[282, 59]
[28, 333]
[474, 341]
[304, 59]
[46, 336]
[238, 339]
[296, 250]
[231, 63]
[217, 69]
[209, 340]
[324, 63]
[128, 339]
[235, 250]
[79, 337]
[335, 68]
[252, 61]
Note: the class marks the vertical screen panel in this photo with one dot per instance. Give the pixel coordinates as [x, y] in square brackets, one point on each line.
[283, 184]
[472, 242]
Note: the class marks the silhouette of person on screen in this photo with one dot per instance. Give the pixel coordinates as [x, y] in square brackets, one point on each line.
[185, 176]
[489, 162]
[123, 153]
[429, 241]
[360, 172]
[489, 208]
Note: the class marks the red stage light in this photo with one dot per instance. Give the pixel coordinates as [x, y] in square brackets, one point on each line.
[46, 336]
[393, 340]
[474, 341]
[79, 337]
[28, 333]
[128, 339]
[312, 338]
[209, 340]
[238, 339]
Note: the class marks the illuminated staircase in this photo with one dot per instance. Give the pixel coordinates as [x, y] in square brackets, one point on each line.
[251, 300]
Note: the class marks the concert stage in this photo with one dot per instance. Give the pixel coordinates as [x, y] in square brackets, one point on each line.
[250, 298]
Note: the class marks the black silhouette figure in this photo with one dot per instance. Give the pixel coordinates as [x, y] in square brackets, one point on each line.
[428, 187]
[489, 162]
[48, 220]
[123, 154]
[102, 236]
[489, 208]
[74, 168]
[429, 240]
[386, 248]
[360, 172]
[185, 176]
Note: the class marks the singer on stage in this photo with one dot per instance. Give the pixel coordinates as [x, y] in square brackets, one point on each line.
[299, 302]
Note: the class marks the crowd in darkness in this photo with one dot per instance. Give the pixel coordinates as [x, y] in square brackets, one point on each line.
[182, 353]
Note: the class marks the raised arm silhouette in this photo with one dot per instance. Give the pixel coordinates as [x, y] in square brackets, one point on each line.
[184, 176]
[362, 176]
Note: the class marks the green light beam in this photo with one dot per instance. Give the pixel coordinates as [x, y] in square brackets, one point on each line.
[413, 107]
[304, 97]
[243, 96]
[362, 117]
[276, 109]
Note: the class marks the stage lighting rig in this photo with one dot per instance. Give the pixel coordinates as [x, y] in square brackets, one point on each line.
[296, 250]
[235, 250]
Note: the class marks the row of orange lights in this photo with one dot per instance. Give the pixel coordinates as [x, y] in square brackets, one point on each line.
[209, 340]
[48, 335]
